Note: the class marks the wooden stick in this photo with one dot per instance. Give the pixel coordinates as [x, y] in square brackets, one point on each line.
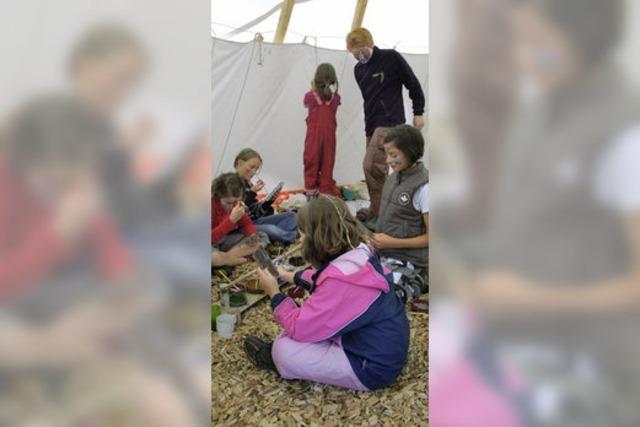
[358, 16]
[283, 22]
[244, 276]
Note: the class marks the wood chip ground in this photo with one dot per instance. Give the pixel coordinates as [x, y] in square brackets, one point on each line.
[245, 396]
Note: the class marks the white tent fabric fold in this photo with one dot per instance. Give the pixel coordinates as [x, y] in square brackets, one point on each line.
[257, 102]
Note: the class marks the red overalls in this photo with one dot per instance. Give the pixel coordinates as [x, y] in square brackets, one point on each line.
[320, 144]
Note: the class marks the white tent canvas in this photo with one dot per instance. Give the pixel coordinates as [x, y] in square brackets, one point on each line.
[257, 102]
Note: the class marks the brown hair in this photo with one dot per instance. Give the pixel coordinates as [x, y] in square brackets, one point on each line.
[104, 40]
[245, 155]
[359, 38]
[324, 78]
[329, 228]
[227, 185]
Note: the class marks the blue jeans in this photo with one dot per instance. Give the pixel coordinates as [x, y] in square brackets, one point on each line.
[280, 227]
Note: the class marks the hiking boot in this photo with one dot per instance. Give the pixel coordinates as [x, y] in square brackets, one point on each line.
[259, 353]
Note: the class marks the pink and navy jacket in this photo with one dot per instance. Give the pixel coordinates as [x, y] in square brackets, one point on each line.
[352, 303]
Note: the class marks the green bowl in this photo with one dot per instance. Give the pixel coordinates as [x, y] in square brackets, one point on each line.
[237, 299]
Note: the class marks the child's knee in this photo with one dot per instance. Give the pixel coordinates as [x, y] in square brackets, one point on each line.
[281, 354]
[291, 216]
[281, 345]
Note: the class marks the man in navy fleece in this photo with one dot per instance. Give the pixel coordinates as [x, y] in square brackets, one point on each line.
[380, 74]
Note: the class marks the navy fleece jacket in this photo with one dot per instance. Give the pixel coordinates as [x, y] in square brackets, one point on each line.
[380, 81]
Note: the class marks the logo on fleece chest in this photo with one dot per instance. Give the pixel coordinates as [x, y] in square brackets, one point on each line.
[404, 198]
[379, 75]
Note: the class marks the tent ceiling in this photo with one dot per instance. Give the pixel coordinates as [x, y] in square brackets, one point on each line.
[403, 24]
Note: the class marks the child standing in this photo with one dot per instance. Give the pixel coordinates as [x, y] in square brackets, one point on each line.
[228, 212]
[279, 227]
[403, 222]
[322, 101]
[352, 331]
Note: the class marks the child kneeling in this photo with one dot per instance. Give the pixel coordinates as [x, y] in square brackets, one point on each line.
[403, 221]
[352, 331]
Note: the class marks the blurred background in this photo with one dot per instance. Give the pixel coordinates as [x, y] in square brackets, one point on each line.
[535, 225]
[104, 213]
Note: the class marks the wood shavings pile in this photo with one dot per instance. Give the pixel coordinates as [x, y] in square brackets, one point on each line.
[244, 395]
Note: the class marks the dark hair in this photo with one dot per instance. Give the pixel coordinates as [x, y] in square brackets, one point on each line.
[245, 155]
[408, 140]
[102, 41]
[227, 185]
[593, 26]
[56, 131]
[329, 229]
[324, 78]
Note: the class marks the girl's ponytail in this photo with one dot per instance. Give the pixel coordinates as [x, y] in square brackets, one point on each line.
[325, 77]
[326, 92]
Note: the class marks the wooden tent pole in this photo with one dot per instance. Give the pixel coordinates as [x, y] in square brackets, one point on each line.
[358, 16]
[283, 22]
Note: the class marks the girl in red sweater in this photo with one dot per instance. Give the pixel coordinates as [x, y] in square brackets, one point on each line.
[229, 219]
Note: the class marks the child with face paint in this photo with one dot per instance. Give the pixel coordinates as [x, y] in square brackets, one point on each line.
[380, 75]
[322, 101]
[228, 212]
[402, 230]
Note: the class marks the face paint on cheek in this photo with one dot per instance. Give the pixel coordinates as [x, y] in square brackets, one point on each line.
[365, 55]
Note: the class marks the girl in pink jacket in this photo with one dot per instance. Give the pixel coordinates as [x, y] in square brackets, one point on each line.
[352, 331]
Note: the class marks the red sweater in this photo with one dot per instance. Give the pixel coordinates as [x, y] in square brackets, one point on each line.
[221, 225]
[30, 248]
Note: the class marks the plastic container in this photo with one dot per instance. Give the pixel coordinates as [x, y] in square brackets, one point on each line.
[225, 323]
[215, 312]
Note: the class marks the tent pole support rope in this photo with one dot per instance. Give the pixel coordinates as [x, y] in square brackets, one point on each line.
[283, 22]
[235, 111]
[358, 16]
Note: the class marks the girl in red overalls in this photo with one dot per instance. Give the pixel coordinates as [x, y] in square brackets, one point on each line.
[320, 143]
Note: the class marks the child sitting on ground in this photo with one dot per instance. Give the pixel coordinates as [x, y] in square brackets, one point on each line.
[280, 227]
[352, 331]
[228, 212]
[402, 236]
